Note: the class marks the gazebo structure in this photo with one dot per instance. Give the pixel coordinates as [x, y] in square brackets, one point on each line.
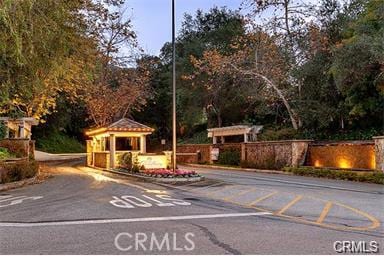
[18, 128]
[249, 132]
[109, 142]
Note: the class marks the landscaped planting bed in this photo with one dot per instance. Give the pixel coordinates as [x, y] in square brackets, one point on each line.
[361, 176]
[18, 170]
[164, 173]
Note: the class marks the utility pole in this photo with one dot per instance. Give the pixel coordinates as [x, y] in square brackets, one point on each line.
[173, 89]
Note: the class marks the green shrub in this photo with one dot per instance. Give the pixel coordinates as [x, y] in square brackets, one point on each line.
[279, 134]
[125, 161]
[197, 138]
[136, 165]
[229, 157]
[17, 171]
[2, 131]
[371, 177]
[4, 154]
[57, 142]
[136, 168]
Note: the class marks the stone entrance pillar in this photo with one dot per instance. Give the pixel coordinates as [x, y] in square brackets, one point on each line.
[245, 137]
[299, 152]
[379, 152]
[143, 144]
[112, 150]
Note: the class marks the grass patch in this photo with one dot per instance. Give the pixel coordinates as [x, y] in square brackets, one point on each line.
[371, 177]
[16, 171]
[59, 143]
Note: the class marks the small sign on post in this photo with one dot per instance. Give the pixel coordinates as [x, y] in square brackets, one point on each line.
[215, 154]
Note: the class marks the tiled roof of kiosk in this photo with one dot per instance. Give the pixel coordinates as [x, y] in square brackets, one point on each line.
[123, 125]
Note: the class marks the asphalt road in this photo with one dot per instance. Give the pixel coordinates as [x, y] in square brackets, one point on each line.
[84, 211]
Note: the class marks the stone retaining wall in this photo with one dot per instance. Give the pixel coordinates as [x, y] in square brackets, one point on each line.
[344, 155]
[274, 154]
[190, 158]
[263, 155]
[19, 147]
[379, 152]
[204, 151]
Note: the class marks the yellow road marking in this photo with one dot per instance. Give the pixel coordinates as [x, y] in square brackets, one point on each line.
[324, 213]
[239, 194]
[375, 222]
[262, 198]
[305, 221]
[290, 204]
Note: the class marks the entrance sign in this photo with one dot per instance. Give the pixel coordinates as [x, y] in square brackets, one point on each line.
[153, 161]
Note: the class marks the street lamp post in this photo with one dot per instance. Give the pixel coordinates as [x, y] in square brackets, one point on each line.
[173, 88]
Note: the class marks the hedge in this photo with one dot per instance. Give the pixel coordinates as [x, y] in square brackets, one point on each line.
[16, 171]
[229, 157]
[371, 177]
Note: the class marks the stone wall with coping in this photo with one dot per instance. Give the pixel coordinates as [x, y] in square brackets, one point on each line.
[343, 155]
[204, 151]
[274, 154]
[263, 155]
[190, 158]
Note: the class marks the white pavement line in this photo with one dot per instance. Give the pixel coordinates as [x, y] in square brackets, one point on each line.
[106, 221]
[12, 198]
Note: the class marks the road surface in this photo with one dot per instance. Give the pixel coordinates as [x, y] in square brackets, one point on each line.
[85, 211]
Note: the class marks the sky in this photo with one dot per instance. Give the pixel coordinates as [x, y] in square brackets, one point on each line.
[152, 20]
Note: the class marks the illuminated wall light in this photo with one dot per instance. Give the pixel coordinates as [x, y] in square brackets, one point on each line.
[317, 163]
[344, 163]
[373, 161]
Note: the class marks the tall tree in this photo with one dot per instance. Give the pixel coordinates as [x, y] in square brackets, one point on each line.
[44, 51]
[213, 30]
[120, 84]
[358, 64]
[257, 57]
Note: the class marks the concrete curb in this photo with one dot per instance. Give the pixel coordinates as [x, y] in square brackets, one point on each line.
[160, 180]
[54, 161]
[236, 169]
[17, 184]
[60, 161]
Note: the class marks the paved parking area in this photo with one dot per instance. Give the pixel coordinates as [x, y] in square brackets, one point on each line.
[300, 207]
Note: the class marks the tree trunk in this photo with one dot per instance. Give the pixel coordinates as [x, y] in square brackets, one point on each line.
[292, 114]
[219, 119]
